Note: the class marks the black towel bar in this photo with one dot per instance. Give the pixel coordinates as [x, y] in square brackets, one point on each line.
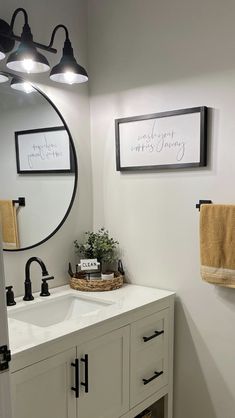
[20, 201]
[202, 202]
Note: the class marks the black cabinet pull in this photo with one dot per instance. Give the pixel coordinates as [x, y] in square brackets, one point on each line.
[76, 388]
[85, 384]
[156, 334]
[156, 374]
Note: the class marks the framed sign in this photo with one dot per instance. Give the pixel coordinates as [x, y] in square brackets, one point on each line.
[46, 150]
[166, 140]
[89, 264]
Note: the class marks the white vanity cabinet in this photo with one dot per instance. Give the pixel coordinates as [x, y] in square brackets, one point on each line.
[97, 371]
[115, 369]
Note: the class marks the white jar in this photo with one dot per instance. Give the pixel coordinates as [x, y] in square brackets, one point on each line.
[107, 276]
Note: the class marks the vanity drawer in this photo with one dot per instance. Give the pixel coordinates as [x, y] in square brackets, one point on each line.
[150, 331]
[146, 380]
[149, 356]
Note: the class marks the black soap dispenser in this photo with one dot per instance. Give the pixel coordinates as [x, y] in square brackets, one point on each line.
[10, 296]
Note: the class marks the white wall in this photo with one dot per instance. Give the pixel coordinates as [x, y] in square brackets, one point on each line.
[72, 101]
[151, 56]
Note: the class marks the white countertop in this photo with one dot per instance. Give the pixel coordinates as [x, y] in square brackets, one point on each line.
[24, 336]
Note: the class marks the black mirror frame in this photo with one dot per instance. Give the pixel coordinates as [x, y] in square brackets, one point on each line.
[11, 75]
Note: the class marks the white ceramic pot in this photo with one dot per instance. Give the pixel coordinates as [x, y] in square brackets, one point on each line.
[107, 276]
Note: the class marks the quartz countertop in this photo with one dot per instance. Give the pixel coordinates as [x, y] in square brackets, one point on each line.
[24, 336]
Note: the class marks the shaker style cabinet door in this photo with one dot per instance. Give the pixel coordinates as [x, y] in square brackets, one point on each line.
[44, 389]
[104, 376]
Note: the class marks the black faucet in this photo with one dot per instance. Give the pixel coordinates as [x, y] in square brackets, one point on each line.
[28, 285]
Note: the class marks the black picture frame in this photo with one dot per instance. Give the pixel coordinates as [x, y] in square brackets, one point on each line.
[18, 134]
[202, 140]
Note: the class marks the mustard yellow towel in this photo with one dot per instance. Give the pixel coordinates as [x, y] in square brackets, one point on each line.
[217, 244]
[9, 224]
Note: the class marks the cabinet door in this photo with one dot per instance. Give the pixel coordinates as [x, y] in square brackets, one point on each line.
[44, 389]
[107, 375]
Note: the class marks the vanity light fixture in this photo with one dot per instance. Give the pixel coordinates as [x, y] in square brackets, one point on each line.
[68, 70]
[21, 85]
[27, 59]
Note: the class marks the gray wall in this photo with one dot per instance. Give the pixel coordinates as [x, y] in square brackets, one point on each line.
[72, 101]
[151, 56]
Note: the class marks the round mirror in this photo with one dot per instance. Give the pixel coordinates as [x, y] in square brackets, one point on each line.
[38, 165]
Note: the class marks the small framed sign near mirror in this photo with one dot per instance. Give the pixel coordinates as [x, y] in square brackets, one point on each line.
[45, 150]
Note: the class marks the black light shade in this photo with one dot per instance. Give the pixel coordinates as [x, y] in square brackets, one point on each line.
[21, 85]
[26, 58]
[68, 71]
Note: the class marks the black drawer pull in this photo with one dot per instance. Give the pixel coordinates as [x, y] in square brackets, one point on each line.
[156, 334]
[85, 360]
[156, 374]
[76, 388]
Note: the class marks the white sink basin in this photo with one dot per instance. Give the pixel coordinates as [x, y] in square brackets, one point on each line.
[54, 311]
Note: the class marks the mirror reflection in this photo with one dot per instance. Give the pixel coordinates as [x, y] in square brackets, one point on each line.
[37, 163]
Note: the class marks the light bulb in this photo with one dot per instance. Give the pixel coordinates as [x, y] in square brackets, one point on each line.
[21, 85]
[28, 65]
[27, 88]
[69, 77]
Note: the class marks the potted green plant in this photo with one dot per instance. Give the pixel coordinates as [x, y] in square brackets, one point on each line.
[101, 246]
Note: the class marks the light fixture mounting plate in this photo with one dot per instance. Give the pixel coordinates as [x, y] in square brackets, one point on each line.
[6, 40]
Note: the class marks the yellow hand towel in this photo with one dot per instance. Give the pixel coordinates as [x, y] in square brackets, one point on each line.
[9, 224]
[217, 244]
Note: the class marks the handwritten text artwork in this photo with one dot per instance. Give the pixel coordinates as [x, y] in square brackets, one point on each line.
[164, 140]
[43, 150]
